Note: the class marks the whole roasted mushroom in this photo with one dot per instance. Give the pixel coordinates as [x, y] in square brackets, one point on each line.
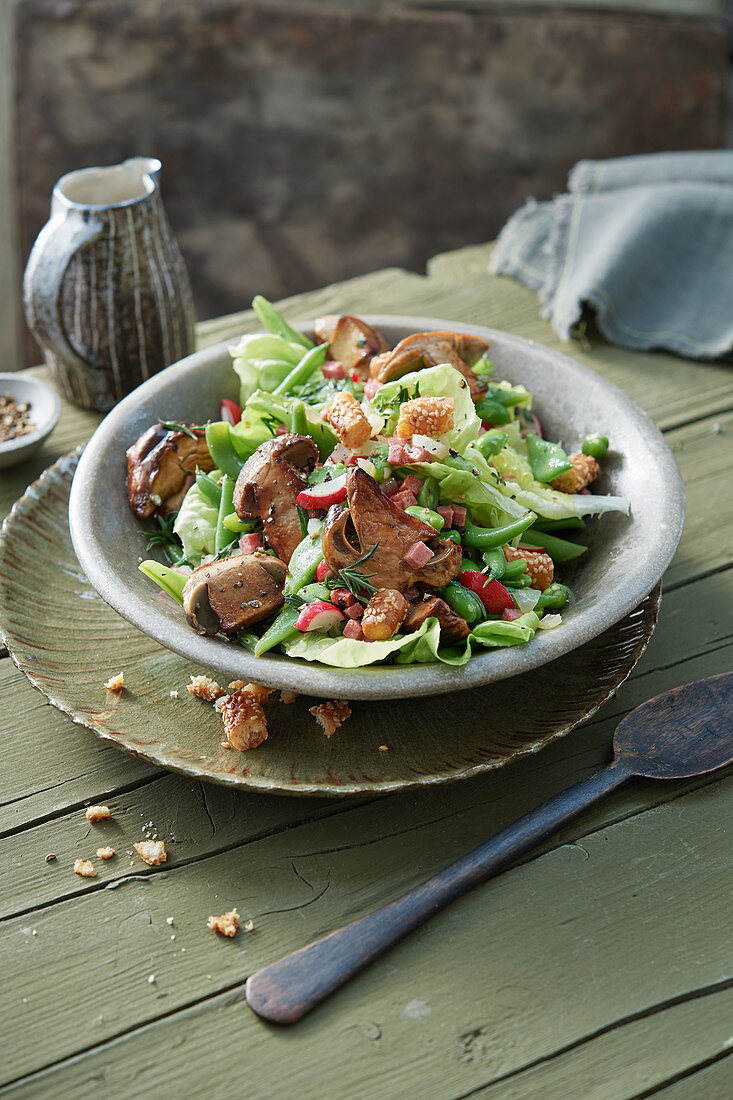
[350, 340]
[161, 466]
[374, 523]
[234, 593]
[428, 349]
[268, 485]
[453, 628]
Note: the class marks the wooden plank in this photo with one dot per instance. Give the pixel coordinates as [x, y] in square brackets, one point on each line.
[10, 349]
[713, 1082]
[520, 967]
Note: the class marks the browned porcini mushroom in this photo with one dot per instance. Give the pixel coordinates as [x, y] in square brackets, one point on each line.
[453, 628]
[350, 340]
[428, 349]
[268, 485]
[234, 593]
[407, 551]
[161, 466]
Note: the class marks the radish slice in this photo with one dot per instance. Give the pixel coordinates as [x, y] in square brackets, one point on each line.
[318, 616]
[230, 411]
[323, 495]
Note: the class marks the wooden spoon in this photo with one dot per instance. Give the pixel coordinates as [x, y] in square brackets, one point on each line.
[684, 732]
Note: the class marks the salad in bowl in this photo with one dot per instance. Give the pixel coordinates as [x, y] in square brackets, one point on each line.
[365, 503]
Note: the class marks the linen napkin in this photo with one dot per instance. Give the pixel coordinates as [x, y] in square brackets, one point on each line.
[645, 241]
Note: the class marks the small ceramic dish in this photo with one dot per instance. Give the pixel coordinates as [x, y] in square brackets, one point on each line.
[45, 410]
[626, 558]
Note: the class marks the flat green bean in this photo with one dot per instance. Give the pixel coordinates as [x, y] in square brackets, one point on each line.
[209, 488]
[306, 558]
[595, 446]
[514, 569]
[282, 628]
[495, 563]
[223, 534]
[221, 449]
[491, 442]
[427, 515]
[312, 361]
[298, 419]
[560, 550]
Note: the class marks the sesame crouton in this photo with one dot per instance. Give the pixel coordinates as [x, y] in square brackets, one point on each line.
[585, 469]
[98, 813]
[288, 696]
[105, 853]
[85, 868]
[384, 614]
[203, 687]
[426, 416]
[116, 683]
[244, 720]
[347, 418]
[151, 851]
[258, 692]
[540, 566]
[331, 715]
[226, 925]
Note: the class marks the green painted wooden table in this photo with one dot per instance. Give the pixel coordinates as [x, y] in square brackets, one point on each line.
[599, 968]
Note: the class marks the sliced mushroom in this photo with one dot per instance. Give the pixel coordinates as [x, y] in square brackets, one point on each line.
[428, 349]
[236, 592]
[351, 341]
[453, 628]
[372, 520]
[161, 466]
[268, 485]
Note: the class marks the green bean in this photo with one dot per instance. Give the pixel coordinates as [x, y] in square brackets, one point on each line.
[514, 569]
[209, 488]
[427, 515]
[429, 495]
[274, 322]
[494, 562]
[553, 598]
[298, 419]
[595, 446]
[281, 628]
[484, 538]
[491, 442]
[306, 558]
[312, 361]
[223, 534]
[560, 550]
[222, 450]
[464, 602]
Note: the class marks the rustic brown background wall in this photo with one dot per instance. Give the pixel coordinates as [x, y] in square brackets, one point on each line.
[303, 143]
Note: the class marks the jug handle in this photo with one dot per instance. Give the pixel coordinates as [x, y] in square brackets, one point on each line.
[57, 244]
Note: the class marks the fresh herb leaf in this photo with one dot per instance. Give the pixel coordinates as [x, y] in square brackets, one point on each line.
[167, 540]
[272, 423]
[295, 601]
[174, 426]
[303, 517]
[351, 577]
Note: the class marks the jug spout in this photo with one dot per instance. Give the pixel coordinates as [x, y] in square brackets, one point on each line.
[116, 185]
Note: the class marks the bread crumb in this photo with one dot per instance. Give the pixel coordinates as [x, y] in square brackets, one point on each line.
[151, 978]
[105, 853]
[331, 715]
[288, 696]
[169, 920]
[244, 720]
[249, 926]
[50, 857]
[34, 931]
[173, 694]
[115, 683]
[383, 748]
[85, 868]
[258, 692]
[97, 813]
[151, 851]
[203, 687]
[226, 925]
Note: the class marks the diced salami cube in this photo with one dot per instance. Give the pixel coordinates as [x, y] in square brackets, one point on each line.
[343, 598]
[509, 614]
[251, 542]
[412, 484]
[354, 610]
[418, 555]
[446, 511]
[459, 516]
[333, 369]
[404, 499]
[371, 388]
[353, 630]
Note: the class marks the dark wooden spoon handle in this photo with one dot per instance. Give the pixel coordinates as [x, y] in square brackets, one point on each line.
[286, 990]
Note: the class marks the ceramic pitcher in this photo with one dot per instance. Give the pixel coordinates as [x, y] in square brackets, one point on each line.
[106, 292]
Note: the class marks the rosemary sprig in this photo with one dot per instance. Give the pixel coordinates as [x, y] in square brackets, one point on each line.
[174, 426]
[165, 538]
[351, 577]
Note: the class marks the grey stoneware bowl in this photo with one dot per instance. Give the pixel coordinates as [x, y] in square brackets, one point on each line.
[45, 410]
[627, 554]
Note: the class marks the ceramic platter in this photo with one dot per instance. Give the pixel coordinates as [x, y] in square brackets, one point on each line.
[68, 641]
[626, 559]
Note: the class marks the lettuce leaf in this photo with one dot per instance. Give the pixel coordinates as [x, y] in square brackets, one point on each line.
[262, 361]
[196, 525]
[440, 381]
[482, 493]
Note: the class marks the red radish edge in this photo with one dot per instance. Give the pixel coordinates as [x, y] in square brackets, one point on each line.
[318, 616]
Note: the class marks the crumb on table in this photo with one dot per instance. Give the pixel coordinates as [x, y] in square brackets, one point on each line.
[50, 857]
[105, 853]
[151, 851]
[383, 748]
[226, 925]
[331, 715]
[203, 687]
[249, 925]
[97, 813]
[85, 868]
[288, 696]
[116, 683]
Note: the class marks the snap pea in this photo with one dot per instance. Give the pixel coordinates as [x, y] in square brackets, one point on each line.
[548, 460]
[494, 562]
[306, 558]
[312, 592]
[513, 570]
[595, 446]
[232, 522]
[484, 538]
[170, 580]
[274, 322]
[209, 488]
[491, 442]
[298, 419]
[560, 550]
[312, 361]
[553, 598]
[281, 628]
[223, 535]
[221, 449]
[429, 495]
[464, 602]
[453, 535]
[247, 639]
[427, 515]
[492, 411]
[525, 581]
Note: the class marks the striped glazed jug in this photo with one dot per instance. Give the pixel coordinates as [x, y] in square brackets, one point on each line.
[106, 292]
